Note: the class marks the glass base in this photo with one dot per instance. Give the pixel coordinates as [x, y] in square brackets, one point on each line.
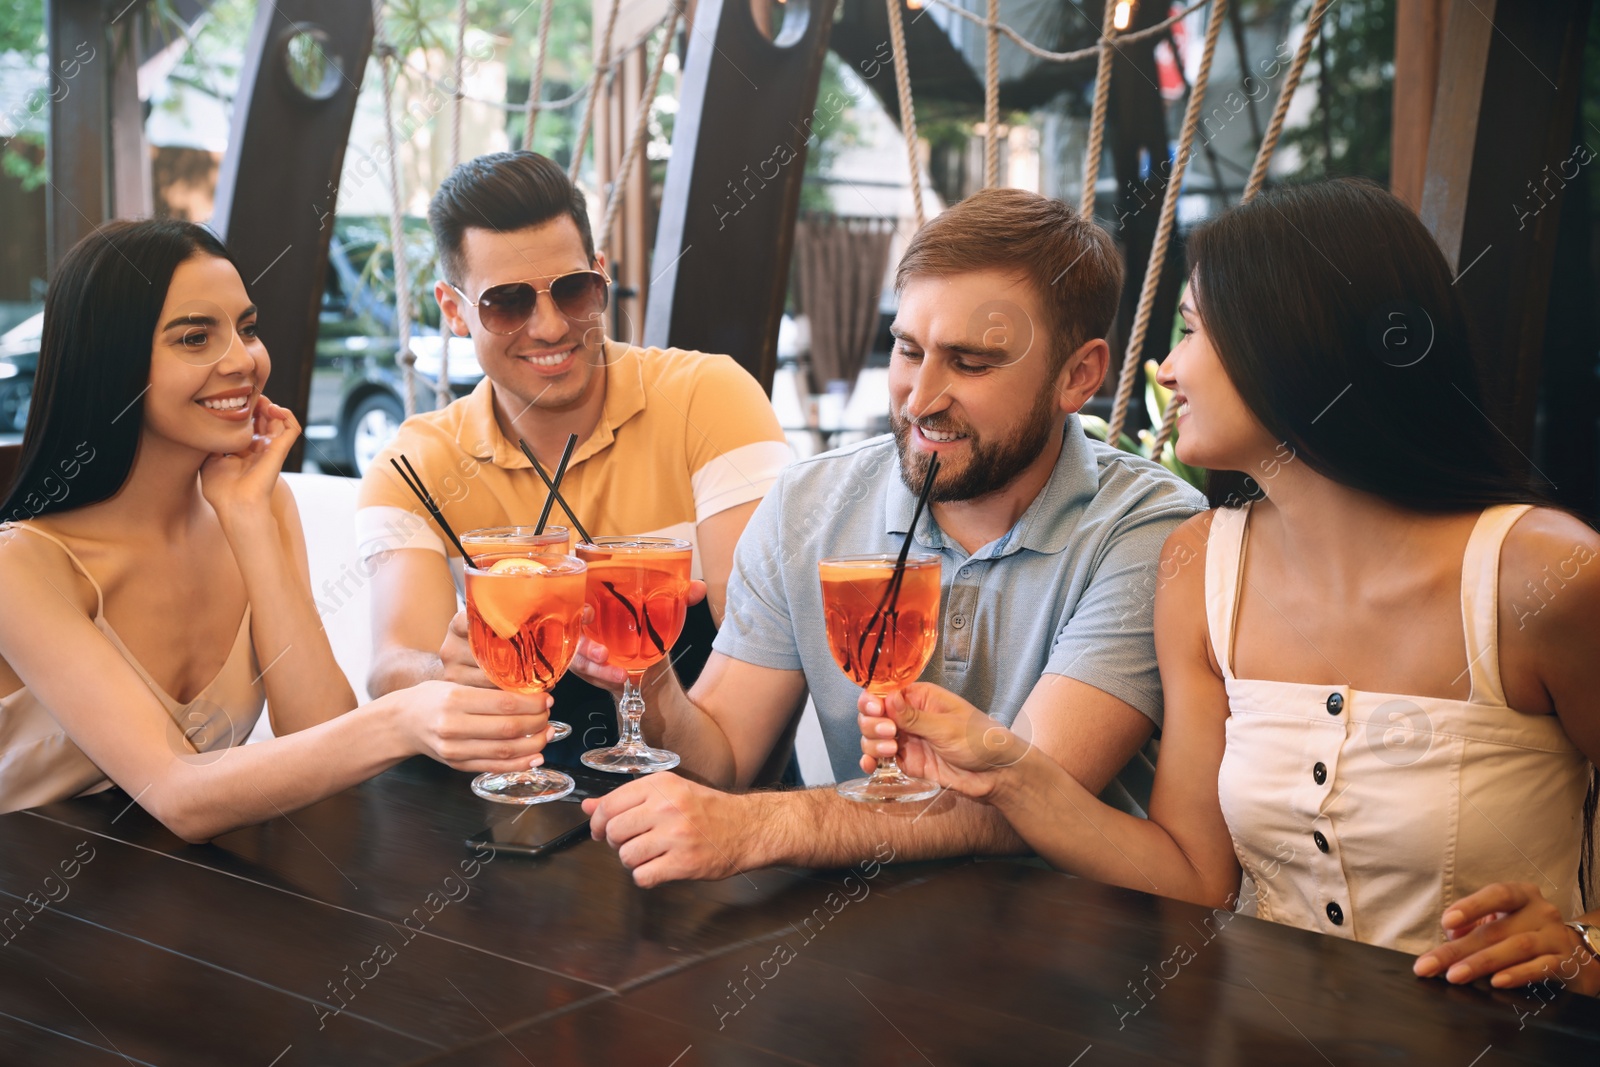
[523, 787]
[895, 787]
[562, 731]
[630, 759]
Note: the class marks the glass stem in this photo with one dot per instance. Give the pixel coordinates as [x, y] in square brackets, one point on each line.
[888, 767]
[630, 710]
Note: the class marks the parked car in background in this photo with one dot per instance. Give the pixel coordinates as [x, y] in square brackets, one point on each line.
[19, 359]
[357, 386]
[358, 395]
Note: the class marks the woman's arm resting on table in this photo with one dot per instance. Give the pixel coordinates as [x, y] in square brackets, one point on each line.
[1509, 931]
[111, 714]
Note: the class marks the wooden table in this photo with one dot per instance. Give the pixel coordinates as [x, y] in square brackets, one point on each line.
[362, 930]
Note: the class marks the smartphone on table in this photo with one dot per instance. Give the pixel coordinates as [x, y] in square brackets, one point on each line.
[541, 829]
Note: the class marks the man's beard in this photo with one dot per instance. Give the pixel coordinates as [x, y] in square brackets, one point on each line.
[990, 467]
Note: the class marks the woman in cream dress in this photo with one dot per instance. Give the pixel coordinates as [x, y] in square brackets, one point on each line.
[154, 588]
[1377, 651]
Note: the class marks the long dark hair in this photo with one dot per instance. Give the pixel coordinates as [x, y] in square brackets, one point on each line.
[1337, 319]
[100, 317]
[1334, 313]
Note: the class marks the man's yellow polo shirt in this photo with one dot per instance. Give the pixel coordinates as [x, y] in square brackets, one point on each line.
[682, 436]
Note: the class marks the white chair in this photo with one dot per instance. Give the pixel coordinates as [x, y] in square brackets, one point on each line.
[810, 749]
[339, 581]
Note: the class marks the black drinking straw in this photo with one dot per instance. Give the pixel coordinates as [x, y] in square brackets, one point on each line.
[561, 472]
[891, 594]
[554, 492]
[414, 483]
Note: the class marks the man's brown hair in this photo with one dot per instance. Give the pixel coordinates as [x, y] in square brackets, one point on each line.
[1071, 261]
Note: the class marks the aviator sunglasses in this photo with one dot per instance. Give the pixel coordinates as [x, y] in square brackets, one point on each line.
[506, 308]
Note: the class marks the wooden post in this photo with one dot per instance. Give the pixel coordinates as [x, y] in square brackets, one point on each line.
[130, 152]
[1418, 41]
[1499, 155]
[747, 107]
[80, 120]
[279, 179]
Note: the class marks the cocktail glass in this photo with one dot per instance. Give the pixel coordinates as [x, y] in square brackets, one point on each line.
[488, 545]
[638, 589]
[524, 616]
[881, 632]
[490, 542]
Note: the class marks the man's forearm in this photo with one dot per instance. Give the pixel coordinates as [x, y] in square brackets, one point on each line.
[674, 722]
[402, 668]
[820, 828]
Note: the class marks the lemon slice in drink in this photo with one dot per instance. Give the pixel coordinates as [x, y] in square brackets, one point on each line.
[516, 564]
[505, 606]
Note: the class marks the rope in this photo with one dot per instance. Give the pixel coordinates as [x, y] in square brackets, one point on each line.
[402, 289]
[1169, 212]
[1097, 124]
[1211, 152]
[536, 88]
[641, 122]
[991, 99]
[908, 113]
[1082, 53]
[441, 388]
[1169, 420]
[601, 69]
[456, 97]
[1258, 173]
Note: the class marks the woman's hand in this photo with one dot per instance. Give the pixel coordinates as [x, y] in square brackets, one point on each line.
[1509, 931]
[942, 737]
[242, 482]
[474, 729]
[460, 665]
[591, 662]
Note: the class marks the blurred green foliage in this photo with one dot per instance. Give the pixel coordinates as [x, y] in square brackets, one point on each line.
[21, 26]
[1351, 72]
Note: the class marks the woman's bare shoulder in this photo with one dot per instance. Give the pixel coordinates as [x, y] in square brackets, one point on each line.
[1186, 546]
[1550, 569]
[27, 559]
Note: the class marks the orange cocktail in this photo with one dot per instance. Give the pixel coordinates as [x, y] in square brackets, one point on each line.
[882, 631]
[638, 590]
[524, 616]
[488, 545]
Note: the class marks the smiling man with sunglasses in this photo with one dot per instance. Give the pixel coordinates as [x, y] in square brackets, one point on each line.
[672, 443]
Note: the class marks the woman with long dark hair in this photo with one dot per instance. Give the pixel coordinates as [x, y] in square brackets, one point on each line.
[153, 572]
[1377, 651]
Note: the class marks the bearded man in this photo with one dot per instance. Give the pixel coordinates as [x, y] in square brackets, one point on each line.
[1049, 544]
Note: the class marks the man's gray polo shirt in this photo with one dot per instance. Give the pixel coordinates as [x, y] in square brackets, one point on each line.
[1069, 590]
